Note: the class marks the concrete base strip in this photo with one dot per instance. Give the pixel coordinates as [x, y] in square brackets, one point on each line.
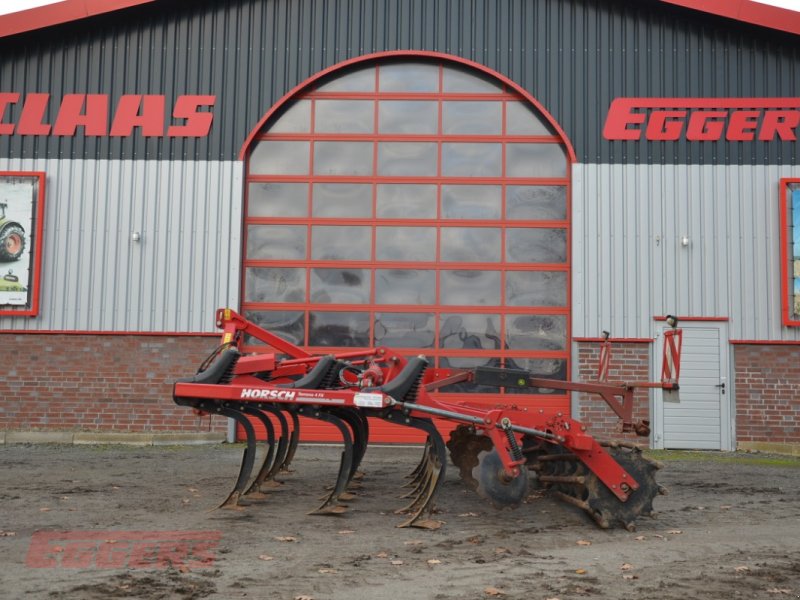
[110, 437]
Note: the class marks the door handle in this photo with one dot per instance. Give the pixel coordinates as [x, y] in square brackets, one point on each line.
[721, 386]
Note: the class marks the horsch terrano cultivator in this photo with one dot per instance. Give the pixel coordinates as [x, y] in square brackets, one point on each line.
[494, 448]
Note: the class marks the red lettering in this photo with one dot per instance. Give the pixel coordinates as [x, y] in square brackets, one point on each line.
[6, 98]
[78, 555]
[128, 116]
[172, 554]
[113, 554]
[71, 115]
[31, 121]
[203, 553]
[701, 128]
[144, 555]
[660, 129]
[782, 122]
[620, 116]
[198, 123]
[742, 125]
[41, 554]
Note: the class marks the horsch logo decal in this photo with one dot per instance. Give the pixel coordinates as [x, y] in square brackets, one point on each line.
[703, 119]
[261, 394]
[143, 114]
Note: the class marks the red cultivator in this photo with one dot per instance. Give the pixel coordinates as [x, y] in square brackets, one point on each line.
[493, 448]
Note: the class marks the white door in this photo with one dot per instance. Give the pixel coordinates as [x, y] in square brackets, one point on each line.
[701, 418]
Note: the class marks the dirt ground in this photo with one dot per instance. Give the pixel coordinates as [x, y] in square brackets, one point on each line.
[729, 528]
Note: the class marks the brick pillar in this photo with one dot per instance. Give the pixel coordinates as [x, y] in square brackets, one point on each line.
[629, 362]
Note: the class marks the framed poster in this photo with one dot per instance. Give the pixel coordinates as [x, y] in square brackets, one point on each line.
[789, 196]
[21, 213]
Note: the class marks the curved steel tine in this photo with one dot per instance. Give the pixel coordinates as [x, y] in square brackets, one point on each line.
[248, 456]
[331, 506]
[365, 426]
[356, 423]
[421, 470]
[418, 489]
[419, 500]
[415, 473]
[254, 491]
[425, 503]
[283, 445]
[294, 440]
[438, 466]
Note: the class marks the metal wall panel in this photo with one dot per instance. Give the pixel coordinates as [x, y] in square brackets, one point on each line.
[574, 56]
[629, 264]
[95, 278]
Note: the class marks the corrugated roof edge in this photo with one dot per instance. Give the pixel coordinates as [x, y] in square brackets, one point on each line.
[60, 12]
[747, 11]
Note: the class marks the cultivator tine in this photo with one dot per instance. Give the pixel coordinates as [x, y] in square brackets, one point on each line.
[248, 456]
[266, 476]
[433, 473]
[423, 474]
[254, 491]
[414, 475]
[294, 439]
[331, 505]
[358, 475]
[356, 421]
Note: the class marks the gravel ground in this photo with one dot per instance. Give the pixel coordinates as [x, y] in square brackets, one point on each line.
[729, 528]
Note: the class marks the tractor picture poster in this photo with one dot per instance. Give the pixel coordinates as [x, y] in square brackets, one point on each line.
[20, 214]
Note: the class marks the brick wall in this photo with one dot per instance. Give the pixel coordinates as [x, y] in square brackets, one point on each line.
[99, 382]
[629, 362]
[767, 384]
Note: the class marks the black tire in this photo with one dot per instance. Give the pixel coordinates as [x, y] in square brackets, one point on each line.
[12, 243]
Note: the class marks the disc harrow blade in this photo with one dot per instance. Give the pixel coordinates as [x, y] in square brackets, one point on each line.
[571, 481]
[497, 486]
[465, 445]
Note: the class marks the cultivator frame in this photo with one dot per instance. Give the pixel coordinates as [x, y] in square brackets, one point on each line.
[493, 447]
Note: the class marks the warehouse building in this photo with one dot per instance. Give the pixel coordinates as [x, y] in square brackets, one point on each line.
[480, 182]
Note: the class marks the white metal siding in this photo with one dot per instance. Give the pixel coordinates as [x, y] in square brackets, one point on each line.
[95, 278]
[629, 265]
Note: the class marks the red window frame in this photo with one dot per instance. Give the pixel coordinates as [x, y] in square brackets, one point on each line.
[510, 92]
[31, 308]
[787, 278]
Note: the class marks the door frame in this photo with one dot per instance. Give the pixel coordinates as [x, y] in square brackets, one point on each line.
[727, 405]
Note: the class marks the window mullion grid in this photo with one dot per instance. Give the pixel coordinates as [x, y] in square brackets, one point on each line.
[372, 264]
[437, 315]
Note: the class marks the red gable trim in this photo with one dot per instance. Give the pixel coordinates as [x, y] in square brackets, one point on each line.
[747, 11]
[60, 12]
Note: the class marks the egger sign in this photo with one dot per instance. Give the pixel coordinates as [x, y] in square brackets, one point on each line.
[703, 119]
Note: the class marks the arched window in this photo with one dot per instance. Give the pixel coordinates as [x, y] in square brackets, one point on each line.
[416, 203]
